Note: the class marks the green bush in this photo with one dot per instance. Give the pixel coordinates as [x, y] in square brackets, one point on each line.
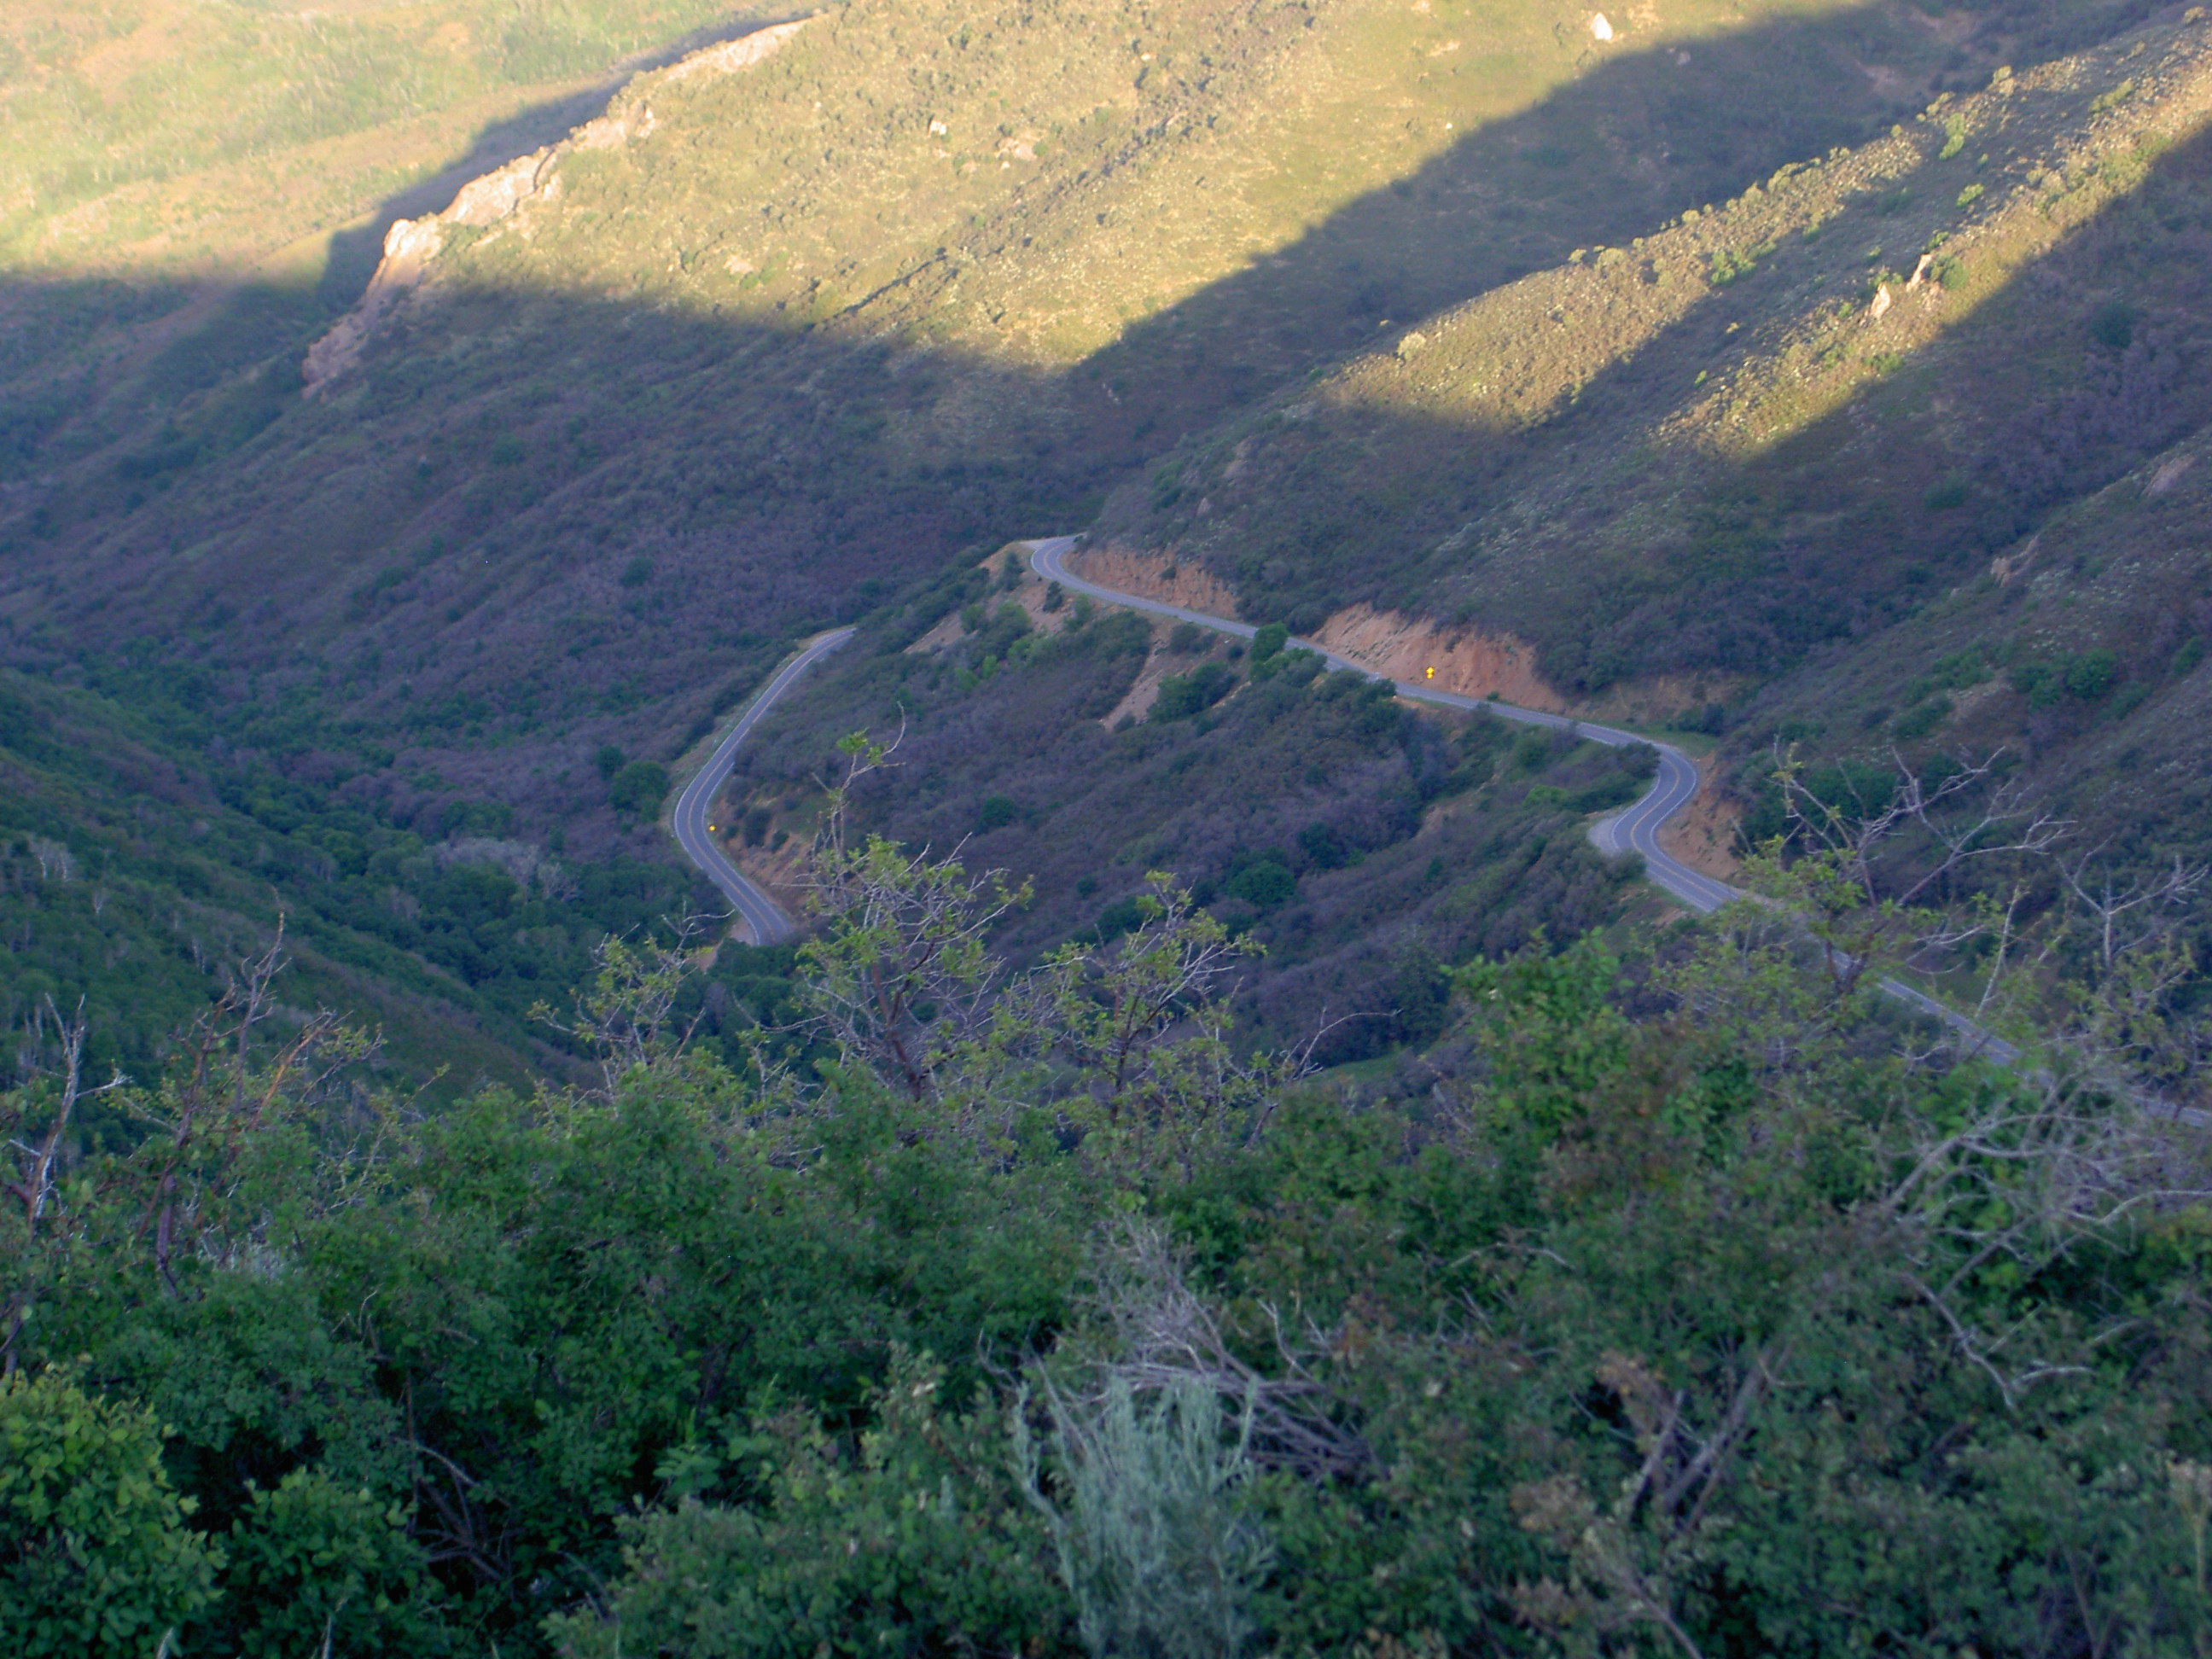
[1919, 721]
[2090, 674]
[1942, 497]
[2113, 327]
[2084, 677]
[1733, 264]
[1181, 695]
[996, 812]
[95, 1559]
[913, 1541]
[639, 787]
[1616, 789]
[1265, 883]
[1324, 848]
[1958, 669]
[313, 1563]
[1270, 658]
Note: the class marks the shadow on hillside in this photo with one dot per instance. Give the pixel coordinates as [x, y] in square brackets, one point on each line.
[1637, 138]
[353, 252]
[2089, 362]
[534, 523]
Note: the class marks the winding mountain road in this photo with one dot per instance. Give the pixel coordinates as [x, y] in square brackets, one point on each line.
[761, 915]
[1634, 829]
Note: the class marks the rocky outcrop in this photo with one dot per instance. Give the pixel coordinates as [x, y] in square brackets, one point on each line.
[409, 248]
[411, 245]
[1153, 576]
[1458, 660]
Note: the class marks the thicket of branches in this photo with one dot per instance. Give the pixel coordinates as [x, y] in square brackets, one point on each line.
[1693, 1295]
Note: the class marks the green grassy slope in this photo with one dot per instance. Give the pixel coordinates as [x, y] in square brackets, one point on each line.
[1567, 456]
[130, 134]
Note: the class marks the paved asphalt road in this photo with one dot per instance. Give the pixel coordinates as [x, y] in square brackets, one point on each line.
[1634, 829]
[763, 917]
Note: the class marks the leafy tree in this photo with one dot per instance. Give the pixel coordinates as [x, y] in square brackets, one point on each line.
[1181, 695]
[313, 1567]
[1678, 1296]
[1264, 884]
[639, 787]
[909, 1538]
[95, 1557]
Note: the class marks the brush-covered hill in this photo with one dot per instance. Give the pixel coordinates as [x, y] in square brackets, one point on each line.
[785, 329]
[1828, 436]
[143, 861]
[802, 319]
[188, 190]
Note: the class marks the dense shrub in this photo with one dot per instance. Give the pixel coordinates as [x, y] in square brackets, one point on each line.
[639, 787]
[95, 1557]
[1181, 695]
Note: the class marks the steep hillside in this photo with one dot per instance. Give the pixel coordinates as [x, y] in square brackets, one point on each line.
[142, 862]
[166, 135]
[1757, 440]
[771, 339]
[807, 318]
[1364, 845]
[189, 193]
[2080, 652]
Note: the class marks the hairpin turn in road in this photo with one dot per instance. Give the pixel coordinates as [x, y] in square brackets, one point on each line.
[1634, 829]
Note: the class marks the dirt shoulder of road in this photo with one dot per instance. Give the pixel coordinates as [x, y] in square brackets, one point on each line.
[1703, 835]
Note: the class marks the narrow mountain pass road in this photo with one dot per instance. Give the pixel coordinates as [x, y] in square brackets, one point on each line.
[1634, 829]
[763, 916]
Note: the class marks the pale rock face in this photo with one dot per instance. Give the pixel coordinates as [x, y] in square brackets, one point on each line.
[1881, 301]
[495, 196]
[1600, 28]
[733, 55]
[2167, 476]
[411, 245]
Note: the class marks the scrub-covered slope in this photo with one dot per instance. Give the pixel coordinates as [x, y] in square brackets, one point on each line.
[785, 329]
[143, 861]
[1754, 442]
